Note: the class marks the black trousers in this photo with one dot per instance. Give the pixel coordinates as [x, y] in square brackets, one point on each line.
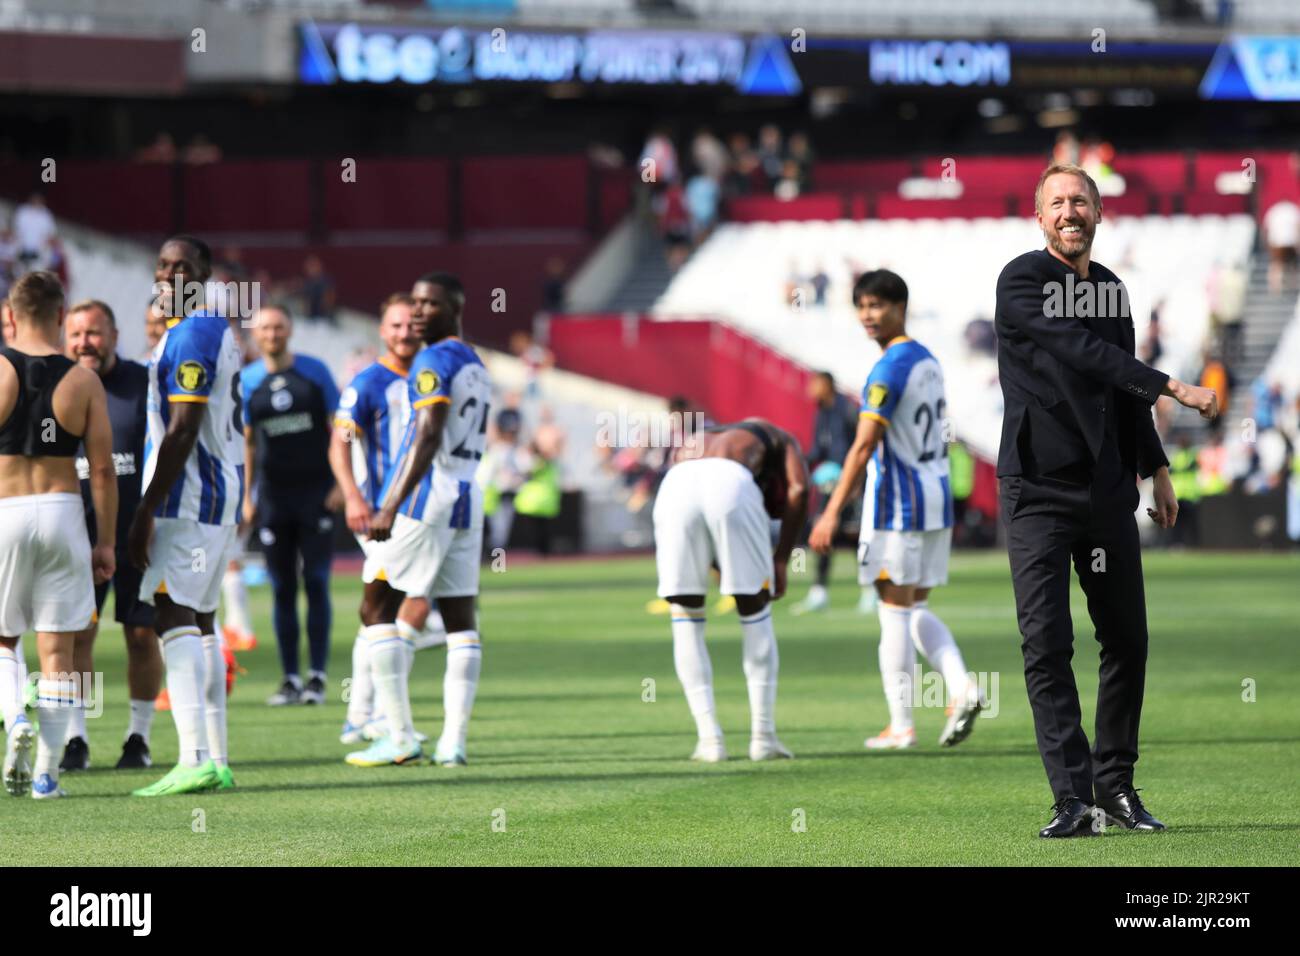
[1049, 525]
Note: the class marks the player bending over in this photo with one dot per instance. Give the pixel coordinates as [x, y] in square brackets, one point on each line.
[183, 532]
[48, 571]
[430, 523]
[713, 507]
[371, 419]
[906, 513]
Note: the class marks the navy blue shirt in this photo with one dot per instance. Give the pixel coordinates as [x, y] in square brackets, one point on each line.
[834, 429]
[127, 386]
[290, 413]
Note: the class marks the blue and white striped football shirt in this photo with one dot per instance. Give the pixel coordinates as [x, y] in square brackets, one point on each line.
[377, 408]
[907, 479]
[197, 361]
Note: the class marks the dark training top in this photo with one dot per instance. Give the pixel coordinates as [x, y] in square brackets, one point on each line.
[126, 385]
[26, 432]
[291, 413]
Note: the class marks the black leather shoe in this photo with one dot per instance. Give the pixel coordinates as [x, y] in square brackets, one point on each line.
[1125, 810]
[76, 755]
[1071, 817]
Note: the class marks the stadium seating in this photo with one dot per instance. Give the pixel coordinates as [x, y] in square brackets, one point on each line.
[741, 275]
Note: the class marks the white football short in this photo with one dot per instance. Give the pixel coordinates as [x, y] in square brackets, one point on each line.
[919, 558]
[46, 583]
[187, 560]
[710, 511]
[426, 560]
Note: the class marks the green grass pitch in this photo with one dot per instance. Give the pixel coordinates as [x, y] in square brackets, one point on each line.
[569, 765]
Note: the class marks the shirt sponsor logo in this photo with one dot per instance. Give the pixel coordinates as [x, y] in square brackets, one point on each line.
[287, 425]
[877, 395]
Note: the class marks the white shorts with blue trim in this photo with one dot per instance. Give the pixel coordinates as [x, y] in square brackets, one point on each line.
[710, 511]
[187, 560]
[918, 558]
[427, 560]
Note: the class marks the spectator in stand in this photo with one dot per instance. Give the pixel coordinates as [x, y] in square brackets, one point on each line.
[1268, 403]
[319, 299]
[33, 227]
[536, 358]
[789, 186]
[800, 151]
[553, 285]
[1066, 150]
[744, 163]
[1282, 232]
[8, 258]
[200, 150]
[1215, 375]
[820, 282]
[1227, 293]
[771, 154]
[659, 159]
[676, 226]
[710, 155]
[161, 150]
[57, 260]
[1151, 348]
[701, 197]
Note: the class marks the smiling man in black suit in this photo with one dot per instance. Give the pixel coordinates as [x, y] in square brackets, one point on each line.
[1077, 431]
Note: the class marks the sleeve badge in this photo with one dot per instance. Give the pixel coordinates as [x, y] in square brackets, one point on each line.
[426, 381]
[191, 376]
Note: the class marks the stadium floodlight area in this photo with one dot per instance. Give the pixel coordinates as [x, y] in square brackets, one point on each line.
[744, 274]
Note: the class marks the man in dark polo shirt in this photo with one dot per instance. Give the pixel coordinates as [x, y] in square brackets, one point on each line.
[91, 340]
[1077, 433]
[289, 405]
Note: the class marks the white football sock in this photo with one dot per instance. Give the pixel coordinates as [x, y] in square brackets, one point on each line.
[11, 685]
[760, 664]
[54, 702]
[214, 710]
[186, 684]
[694, 670]
[236, 597]
[897, 663]
[77, 721]
[141, 719]
[459, 683]
[389, 657]
[933, 639]
[361, 692]
[408, 633]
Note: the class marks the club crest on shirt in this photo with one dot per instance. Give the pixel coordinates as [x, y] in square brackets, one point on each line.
[877, 395]
[426, 382]
[191, 376]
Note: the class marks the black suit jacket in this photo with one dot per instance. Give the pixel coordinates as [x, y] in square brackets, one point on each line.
[1057, 371]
